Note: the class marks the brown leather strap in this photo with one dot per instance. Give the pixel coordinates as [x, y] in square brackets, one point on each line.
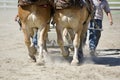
[39, 2]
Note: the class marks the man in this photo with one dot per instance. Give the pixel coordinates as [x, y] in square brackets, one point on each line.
[96, 23]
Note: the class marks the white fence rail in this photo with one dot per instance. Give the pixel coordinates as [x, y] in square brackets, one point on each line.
[115, 7]
[8, 4]
[13, 4]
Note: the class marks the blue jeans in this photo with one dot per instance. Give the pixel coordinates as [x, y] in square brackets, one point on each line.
[94, 35]
[35, 40]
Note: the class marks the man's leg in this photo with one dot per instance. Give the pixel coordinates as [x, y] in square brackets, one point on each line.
[98, 35]
[92, 39]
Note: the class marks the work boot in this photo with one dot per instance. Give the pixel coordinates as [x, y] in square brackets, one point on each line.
[92, 52]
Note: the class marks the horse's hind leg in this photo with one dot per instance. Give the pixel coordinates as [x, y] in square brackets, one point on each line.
[82, 41]
[76, 43]
[65, 51]
[31, 49]
[68, 36]
[45, 37]
[42, 45]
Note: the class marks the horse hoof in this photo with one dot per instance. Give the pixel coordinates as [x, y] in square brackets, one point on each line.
[75, 63]
[32, 57]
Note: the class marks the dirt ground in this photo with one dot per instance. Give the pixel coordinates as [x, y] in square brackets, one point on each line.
[15, 63]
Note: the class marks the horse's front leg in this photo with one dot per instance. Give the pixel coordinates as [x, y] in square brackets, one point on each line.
[42, 45]
[60, 41]
[31, 49]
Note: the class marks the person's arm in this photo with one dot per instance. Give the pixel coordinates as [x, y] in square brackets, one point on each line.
[110, 18]
[108, 12]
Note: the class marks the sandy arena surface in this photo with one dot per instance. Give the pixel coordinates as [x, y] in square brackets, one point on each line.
[15, 63]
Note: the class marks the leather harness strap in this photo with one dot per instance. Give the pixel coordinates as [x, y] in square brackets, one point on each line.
[42, 3]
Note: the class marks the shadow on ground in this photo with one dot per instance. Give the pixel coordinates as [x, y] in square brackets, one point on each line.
[109, 57]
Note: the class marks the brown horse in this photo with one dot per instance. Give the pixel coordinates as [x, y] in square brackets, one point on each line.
[35, 17]
[75, 19]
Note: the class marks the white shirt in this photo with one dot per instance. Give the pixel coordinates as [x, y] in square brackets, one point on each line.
[100, 6]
